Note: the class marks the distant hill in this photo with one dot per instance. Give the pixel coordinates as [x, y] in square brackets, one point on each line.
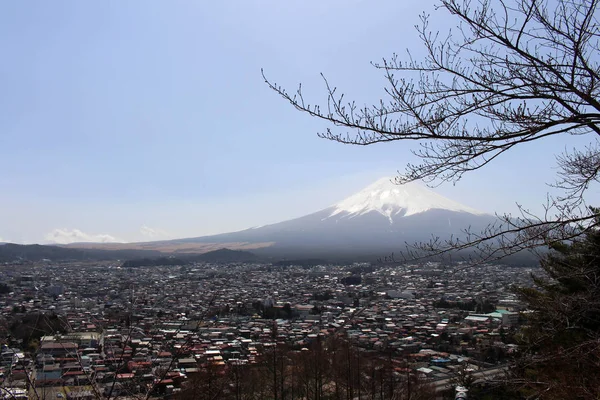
[217, 256]
[34, 252]
[10, 252]
[173, 247]
[153, 262]
[225, 255]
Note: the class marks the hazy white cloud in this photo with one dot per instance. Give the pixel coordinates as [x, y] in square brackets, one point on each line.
[2, 240]
[65, 236]
[153, 233]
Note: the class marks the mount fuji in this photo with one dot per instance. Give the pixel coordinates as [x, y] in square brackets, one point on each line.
[391, 200]
[380, 218]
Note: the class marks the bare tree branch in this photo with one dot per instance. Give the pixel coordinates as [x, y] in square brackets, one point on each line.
[510, 73]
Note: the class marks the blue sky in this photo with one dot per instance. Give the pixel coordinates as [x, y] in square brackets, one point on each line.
[148, 119]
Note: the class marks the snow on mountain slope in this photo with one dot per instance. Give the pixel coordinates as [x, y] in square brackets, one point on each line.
[389, 199]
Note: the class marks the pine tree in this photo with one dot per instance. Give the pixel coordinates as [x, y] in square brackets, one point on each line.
[560, 355]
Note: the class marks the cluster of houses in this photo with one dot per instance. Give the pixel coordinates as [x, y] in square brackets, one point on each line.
[131, 330]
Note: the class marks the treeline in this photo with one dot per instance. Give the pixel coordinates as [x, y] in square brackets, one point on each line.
[351, 280]
[34, 252]
[326, 369]
[28, 328]
[305, 262]
[216, 256]
[5, 289]
[484, 306]
[153, 262]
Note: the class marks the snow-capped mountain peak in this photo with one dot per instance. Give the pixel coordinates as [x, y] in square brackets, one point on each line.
[390, 199]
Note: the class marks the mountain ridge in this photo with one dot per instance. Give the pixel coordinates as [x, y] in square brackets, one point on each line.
[377, 220]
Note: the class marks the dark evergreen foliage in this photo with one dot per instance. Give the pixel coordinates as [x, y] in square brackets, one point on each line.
[34, 252]
[352, 280]
[5, 289]
[561, 341]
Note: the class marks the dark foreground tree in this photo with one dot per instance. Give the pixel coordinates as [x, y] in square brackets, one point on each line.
[561, 342]
[513, 72]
